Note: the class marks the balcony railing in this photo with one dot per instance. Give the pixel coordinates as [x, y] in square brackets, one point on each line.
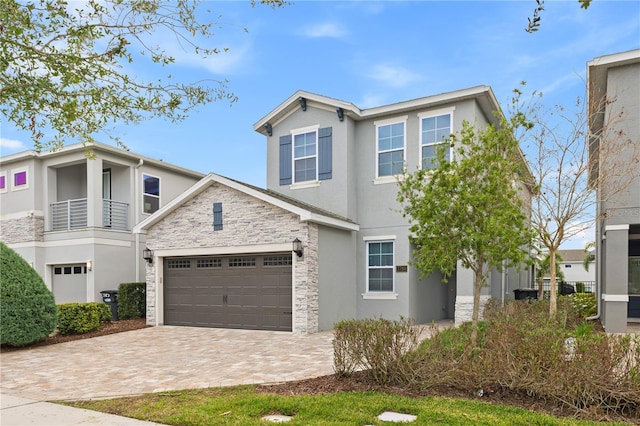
[72, 214]
[115, 215]
[69, 214]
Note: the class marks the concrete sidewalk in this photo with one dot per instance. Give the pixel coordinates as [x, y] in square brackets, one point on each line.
[20, 411]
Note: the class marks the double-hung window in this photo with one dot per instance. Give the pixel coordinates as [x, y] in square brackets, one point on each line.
[434, 131]
[390, 137]
[305, 158]
[380, 266]
[151, 193]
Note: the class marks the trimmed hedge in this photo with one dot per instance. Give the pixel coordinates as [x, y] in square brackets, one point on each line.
[79, 318]
[132, 300]
[27, 307]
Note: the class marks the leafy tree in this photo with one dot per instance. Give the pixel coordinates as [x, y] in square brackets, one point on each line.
[28, 311]
[557, 147]
[534, 21]
[63, 66]
[471, 209]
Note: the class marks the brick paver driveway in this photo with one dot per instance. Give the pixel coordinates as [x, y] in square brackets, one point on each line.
[163, 358]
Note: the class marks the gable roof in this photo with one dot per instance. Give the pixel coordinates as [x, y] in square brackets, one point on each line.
[483, 95]
[97, 147]
[573, 255]
[305, 211]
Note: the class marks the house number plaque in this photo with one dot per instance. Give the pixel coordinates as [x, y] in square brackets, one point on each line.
[401, 268]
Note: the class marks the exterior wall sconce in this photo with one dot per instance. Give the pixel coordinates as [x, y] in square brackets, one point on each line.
[269, 129]
[303, 103]
[340, 113]
[147, 255]
[89, 265]
[297, 247]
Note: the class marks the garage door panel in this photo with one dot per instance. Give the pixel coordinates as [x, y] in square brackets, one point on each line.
[239, 292]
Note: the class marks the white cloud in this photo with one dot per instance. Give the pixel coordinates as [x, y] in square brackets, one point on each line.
[11, 144]
[225, 62]
[393, 76]
[581, 234]
[327, 29]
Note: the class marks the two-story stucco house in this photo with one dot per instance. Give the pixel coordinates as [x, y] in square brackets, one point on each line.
[614, 91]
[70, 214]
[325, 240]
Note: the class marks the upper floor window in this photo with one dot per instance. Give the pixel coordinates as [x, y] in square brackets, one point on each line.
[390, 137]
[20, 179]
[151, 193]
[3, 181]
[434, 130]
[305, 156]
[380, 266]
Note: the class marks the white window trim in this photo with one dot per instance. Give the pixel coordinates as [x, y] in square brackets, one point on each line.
[387, 122]
[301, 131]
[143, 174]
[6, 182]
[13, 179]
[380, 294]
[428, 114]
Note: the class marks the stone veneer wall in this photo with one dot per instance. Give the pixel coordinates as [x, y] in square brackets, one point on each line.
[464, 308]
[22, 229]
[247, 221]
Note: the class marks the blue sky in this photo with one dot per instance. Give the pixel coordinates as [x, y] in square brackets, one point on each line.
[370, 54]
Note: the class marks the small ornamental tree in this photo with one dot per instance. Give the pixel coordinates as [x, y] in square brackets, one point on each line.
[28, 310]
[470, 209]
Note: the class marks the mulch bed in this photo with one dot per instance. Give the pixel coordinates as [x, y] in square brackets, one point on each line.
[105, 329]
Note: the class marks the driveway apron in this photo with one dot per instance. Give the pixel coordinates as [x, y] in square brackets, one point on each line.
[163, 358]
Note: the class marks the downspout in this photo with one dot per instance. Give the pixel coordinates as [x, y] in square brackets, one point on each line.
[136, 205]
[502, 284]
[599, 252]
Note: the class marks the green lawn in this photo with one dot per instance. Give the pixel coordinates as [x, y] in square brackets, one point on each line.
[243, 406]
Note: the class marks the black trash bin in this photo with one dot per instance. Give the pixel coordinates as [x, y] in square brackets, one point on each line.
[525, 293]
[566, 289]
[110, 297]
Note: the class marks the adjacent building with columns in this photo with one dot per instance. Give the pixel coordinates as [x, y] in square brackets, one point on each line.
[614, 129]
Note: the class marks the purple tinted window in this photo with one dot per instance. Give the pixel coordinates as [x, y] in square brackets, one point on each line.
[20, 178]
[3, 184]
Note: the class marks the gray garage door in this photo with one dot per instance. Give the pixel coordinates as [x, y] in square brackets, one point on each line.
[248, 291]
[69, 283]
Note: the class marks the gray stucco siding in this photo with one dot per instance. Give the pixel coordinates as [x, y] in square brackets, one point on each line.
[337, 285]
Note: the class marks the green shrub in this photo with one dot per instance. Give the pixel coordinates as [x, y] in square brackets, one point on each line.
[585, 303]
[377, 346]
[79, 318]
[132, 300]
[27, 307]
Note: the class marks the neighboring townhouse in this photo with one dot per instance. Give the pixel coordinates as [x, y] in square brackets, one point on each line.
[614, 91]
[70, 214]
[572, 266]
[224, 251]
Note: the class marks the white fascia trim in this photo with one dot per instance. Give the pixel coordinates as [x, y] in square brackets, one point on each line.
[19, 215]
[380, 296]
[613, 58]
[72, 242]
[379, 238]
[616, 228]
[325, 220]
[214, 251]
[615, 297]
[304, 185]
